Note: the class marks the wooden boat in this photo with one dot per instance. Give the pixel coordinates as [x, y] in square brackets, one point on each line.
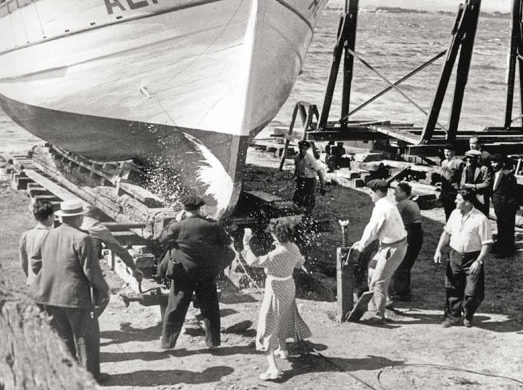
[176, 84]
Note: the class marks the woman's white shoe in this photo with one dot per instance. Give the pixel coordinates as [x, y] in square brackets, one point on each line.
[269, 375]
[282, 353]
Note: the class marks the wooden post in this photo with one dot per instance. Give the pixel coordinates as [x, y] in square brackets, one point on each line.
[516, 20]
[348, 63]
[467, 45]
[289, 134]
[345, 285]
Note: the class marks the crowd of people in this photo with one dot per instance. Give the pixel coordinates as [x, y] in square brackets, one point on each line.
[468, 186]
[66, 281]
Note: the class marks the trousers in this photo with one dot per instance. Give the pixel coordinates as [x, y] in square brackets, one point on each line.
[182, 288]
[464, 290]
[400, 284]
[80, 333]
[506, 221]
[387, 259]
[304, 196]
[448, 201]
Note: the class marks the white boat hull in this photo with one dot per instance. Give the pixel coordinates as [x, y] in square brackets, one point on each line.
[155, 82]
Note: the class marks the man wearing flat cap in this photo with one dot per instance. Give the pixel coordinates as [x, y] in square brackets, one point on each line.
[505, 200]
[69, 283]
[477, 176]
[386, 226]
[306, 169]
[192, 245]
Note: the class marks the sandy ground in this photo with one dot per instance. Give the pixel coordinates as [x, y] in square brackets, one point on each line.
[410, 352]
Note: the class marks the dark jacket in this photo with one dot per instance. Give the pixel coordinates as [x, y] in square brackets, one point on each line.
[505, 191]
[451, 172]
[482, 178]
[197, 244]
[67, 267]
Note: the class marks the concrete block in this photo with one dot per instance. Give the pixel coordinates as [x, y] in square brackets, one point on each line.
[20, 182]
[358, 183]
[49, 198]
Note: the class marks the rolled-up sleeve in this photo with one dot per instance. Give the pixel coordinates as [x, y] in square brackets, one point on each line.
[485, 232]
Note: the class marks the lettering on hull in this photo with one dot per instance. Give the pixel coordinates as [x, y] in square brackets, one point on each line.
[127, 5]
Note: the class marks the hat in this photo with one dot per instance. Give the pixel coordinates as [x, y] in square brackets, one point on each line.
[307, 144]
[378, 184]
[451, 147]
[473, 153]
[498, 158]
[71, 208]
[192, 202]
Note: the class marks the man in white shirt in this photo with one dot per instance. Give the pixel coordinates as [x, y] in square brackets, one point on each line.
[470, 237]
[386, 226]
[306, 168]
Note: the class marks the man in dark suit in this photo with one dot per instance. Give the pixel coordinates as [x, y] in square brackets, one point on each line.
[69, 284]
[451, 170]
[193, 243]
[477, 176]
[504, 198]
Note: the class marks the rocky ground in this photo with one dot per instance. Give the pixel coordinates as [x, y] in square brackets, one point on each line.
[411, 351]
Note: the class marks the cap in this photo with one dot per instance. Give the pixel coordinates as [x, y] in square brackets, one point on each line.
[498, 158]
[192, 202]
[473, 153]
[307, 144]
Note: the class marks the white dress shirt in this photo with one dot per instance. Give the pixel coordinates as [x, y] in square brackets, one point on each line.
[385, 225]
[469, 232]
[306, 166]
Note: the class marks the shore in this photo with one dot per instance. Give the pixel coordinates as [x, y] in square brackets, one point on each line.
[411, 352]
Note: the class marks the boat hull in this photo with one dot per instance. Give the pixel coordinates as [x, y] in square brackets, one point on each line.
[157, 81]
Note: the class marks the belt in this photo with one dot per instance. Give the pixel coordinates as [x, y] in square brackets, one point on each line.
[386, 245]
[465, 253]
[278, 279]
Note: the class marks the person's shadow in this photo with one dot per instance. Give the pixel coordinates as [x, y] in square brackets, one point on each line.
[248, 349]
[128, 333]
[306, 358]
[148, 378]
[481, 320]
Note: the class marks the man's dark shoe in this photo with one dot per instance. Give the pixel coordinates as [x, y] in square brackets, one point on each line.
[467, 323]
[165, 345]
[102, 377]
[448, 323]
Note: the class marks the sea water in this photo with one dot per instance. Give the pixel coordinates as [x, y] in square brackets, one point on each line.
[394, 44]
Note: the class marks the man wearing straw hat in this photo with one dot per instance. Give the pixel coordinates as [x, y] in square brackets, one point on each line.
[69, 283]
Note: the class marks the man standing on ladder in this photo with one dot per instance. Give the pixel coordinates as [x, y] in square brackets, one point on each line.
[306, 168]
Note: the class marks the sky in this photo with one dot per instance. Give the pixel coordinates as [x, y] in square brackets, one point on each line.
[434, 5]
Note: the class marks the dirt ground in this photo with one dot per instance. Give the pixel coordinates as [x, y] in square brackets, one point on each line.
[412, 351]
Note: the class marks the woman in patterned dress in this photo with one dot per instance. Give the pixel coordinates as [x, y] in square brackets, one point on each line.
[279, 318]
